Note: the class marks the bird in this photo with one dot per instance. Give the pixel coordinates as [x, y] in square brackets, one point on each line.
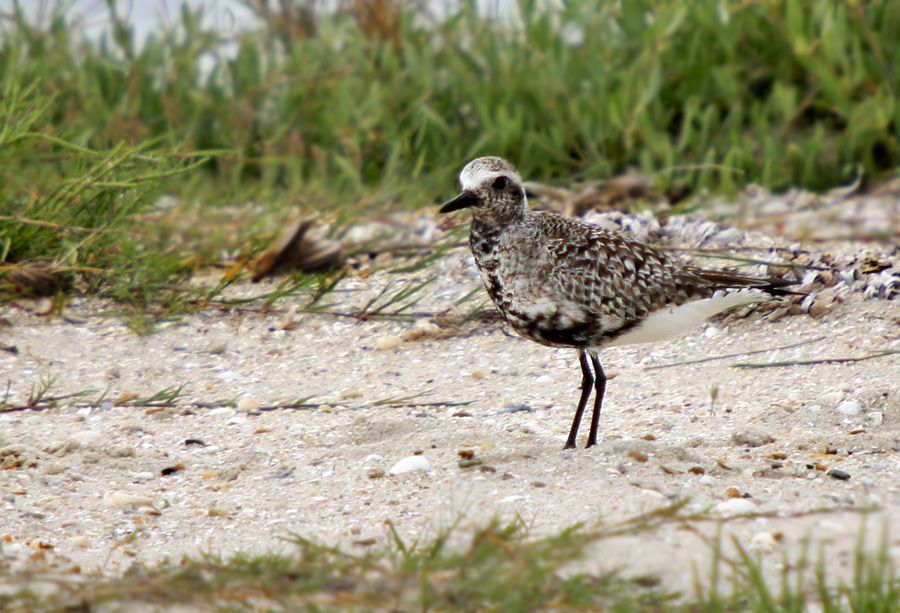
[565, 283]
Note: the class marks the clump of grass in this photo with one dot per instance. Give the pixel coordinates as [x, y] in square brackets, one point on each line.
[873, 585]
[72, 210]
[498, 567]
[787, 92]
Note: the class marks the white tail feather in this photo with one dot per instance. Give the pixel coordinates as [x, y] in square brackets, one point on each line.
[672, 322]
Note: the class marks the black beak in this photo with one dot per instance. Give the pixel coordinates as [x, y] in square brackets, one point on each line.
[463, 201]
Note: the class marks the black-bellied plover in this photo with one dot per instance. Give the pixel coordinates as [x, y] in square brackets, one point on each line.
[564, 283]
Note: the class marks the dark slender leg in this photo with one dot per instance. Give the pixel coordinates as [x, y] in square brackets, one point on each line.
[587, 380]
[598, 400]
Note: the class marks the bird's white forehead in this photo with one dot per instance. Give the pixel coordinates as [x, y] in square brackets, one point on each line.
[481, 170]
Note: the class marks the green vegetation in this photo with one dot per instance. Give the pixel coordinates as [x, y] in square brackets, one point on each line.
[498, 567]
[375, 106]
[781, 92]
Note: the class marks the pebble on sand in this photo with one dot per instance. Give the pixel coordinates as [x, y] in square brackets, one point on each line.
[87, 438]
[422, 330]
[837, 473]
[248, 405]
[413, 463]
[384, 343]
[876, 418]
[638, 455]
[734, 506]
[848, 408]
[217, 348]
[751, 437]
[120, 451]
[831, 399]
[81, 541]
[18, 456]
[123, 499]
[766, 541]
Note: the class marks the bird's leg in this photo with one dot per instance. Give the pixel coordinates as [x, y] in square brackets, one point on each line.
[587, 380]
[598, 400]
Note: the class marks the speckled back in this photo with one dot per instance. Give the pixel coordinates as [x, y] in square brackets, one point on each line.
[562, 282]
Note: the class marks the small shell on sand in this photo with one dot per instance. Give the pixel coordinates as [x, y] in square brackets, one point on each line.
[734, 506]
[122, 499]
[413, 463]
[384, 343]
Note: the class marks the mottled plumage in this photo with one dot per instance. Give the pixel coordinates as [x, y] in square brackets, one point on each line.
[564, 283]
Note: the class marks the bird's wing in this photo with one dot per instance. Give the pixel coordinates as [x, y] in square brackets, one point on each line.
[617, 274]
[609, 283]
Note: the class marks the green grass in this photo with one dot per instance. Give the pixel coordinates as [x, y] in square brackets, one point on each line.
[352, 113]
[76, 211]
[498, 567]
[782, 92]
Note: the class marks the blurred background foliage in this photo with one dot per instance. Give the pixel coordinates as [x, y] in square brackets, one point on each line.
[376, 104]
[781, 92]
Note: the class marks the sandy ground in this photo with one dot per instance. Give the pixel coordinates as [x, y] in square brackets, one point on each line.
[86, 484]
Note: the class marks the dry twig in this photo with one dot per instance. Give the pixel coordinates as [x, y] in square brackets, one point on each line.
[735, 355]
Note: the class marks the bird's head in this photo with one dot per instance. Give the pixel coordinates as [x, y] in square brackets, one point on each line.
[492, 188]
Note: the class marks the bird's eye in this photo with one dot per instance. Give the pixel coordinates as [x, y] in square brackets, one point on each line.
[500, 183]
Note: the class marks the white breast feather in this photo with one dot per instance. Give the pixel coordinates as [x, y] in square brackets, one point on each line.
[673, 321]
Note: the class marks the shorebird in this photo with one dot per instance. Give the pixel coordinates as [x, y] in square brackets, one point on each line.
[565, 283]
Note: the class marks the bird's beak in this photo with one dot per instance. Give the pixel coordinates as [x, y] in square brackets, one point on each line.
[463, 201]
